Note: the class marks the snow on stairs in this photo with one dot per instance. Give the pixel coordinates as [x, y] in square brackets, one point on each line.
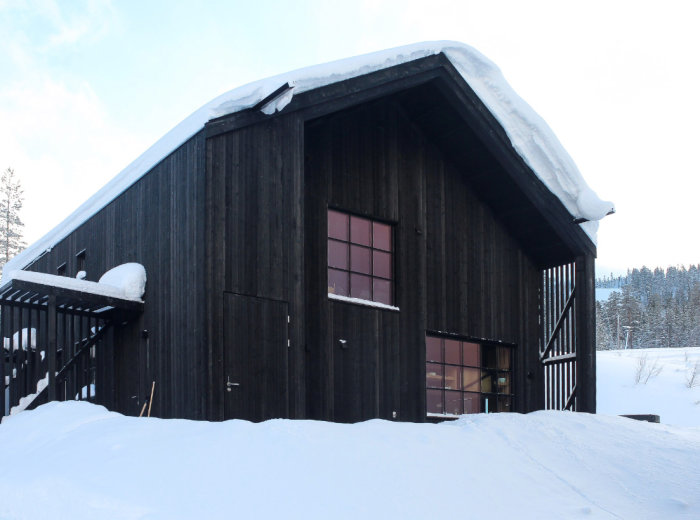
[75, 378]
[51, 327]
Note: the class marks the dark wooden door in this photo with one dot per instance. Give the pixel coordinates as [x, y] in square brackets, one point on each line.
[255, 358]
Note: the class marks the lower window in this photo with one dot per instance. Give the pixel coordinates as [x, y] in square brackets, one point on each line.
[467, 377]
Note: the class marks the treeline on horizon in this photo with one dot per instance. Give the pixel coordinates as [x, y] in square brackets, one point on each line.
[650, 309]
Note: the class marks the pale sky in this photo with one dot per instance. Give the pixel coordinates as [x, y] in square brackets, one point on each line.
[87, 86]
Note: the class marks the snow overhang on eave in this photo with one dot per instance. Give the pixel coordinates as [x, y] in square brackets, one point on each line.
[529, 135]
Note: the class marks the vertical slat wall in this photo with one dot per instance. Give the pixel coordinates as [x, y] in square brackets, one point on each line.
[4, 361]
[34, 342]
[558, 339]
[158, 222]
[22, 354]
[457, 267]
[77, 373]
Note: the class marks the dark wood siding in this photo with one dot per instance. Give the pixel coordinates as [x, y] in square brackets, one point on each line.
[255, 236]
[241, 209]
[158, 222]
[458, 269]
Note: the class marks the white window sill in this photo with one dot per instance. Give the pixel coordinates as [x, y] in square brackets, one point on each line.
[359, 301]
[442, 415]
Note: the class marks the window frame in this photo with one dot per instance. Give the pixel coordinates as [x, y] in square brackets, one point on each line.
[379, 281]
[493, 375]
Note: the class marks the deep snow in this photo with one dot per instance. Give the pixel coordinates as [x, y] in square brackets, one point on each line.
[78, 461]
[666, 394]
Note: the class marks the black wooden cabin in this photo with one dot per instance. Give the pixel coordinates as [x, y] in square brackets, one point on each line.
[375, 249]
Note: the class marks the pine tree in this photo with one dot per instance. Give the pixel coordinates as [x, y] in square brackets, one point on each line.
[659, 308]
[11, 200]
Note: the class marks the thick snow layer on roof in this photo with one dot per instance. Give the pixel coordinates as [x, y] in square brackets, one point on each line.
[530, 135]
[129, 278]
[114, 286]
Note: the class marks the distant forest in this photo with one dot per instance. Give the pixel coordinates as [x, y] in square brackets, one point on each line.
[659, 308]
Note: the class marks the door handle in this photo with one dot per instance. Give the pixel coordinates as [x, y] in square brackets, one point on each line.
[230, 385]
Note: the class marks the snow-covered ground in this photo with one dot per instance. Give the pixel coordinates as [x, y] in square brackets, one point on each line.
[79, 461]
[76, 460]
[662, 388]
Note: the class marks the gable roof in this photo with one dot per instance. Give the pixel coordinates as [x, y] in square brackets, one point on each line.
[530, 136]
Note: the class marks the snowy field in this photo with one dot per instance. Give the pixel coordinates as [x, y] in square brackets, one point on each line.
[652, 380]
[78, 461]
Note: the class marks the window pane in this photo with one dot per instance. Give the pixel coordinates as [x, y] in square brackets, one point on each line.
[472, 403]
[382, 264]
[360, 231]
[504, 358]
[505, 404]
[503, 383]
[489, 356]
[434, 399]
[453, 376]
[433, 375]
[452, 352]
[338, 282]
[471, 354]
[383, 292]
[453, 402]
[360, 260]
[337, 254]
[337, 225]
[471, 379]
[433, 350]
[382, 236]
[487, 381]
[360, 286]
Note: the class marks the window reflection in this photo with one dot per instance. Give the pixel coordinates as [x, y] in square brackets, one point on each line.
[360, 261]
[467, 377]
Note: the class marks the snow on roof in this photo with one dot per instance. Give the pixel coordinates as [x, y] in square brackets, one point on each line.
[114, 286]
[528, 132]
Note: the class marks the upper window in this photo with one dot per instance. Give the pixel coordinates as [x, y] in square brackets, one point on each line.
[360, 258]
[467, 377]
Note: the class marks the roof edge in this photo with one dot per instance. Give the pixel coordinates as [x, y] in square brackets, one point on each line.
[530, 135]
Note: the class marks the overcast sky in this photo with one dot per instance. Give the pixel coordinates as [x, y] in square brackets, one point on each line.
[87, 86]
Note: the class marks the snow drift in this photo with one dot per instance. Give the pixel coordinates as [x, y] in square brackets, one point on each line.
[651, 381]
[76, 460]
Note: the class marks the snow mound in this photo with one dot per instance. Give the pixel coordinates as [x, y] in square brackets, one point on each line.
[529, 134]
[130, 278]
[79, 461]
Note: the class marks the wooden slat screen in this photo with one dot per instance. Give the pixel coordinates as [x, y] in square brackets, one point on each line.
[558, 336]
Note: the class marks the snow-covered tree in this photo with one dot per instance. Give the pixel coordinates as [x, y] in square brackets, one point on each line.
[11, 226]
[659, 308]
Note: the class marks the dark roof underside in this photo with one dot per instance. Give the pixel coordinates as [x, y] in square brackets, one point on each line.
[21, 293]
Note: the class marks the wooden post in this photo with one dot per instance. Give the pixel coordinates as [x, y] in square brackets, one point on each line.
[150, 401]
[3, 328]
[585, 334]
[51, 349]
